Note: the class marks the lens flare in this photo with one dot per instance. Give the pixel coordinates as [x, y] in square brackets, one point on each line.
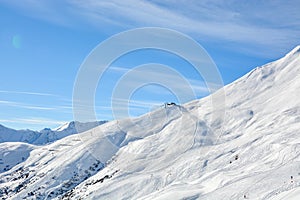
[16, 41]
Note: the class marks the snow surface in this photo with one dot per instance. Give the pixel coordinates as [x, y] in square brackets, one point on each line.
[175, 152]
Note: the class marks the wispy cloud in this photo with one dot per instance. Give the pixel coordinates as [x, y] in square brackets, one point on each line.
[40, 121]
[255, 23]
[57, 102]
[197, 86]
[124, 108]
[272, 23]
[162, 76]
[36, 123]
[123, 103]
[26, 93]
[118, 69]
[25, 106]
[51, 11]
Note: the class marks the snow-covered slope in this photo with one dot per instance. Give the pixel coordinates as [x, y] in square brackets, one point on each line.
[16, 145]
[46, 135]
[175, 153]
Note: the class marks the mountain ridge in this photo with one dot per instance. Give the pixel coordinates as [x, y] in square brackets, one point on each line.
[45, 135]
[173, 152]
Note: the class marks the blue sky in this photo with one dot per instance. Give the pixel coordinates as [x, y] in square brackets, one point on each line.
[43, 44]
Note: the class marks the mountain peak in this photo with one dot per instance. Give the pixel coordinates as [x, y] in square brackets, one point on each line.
[75, 126]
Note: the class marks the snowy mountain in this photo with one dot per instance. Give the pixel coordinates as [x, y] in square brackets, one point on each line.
[175, 152]
[11, 135]
[46, 135]
[16, 145]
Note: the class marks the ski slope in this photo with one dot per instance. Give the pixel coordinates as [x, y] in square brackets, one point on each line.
[178, 152]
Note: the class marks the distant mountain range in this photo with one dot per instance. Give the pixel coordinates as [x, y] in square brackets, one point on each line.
[46, 135]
